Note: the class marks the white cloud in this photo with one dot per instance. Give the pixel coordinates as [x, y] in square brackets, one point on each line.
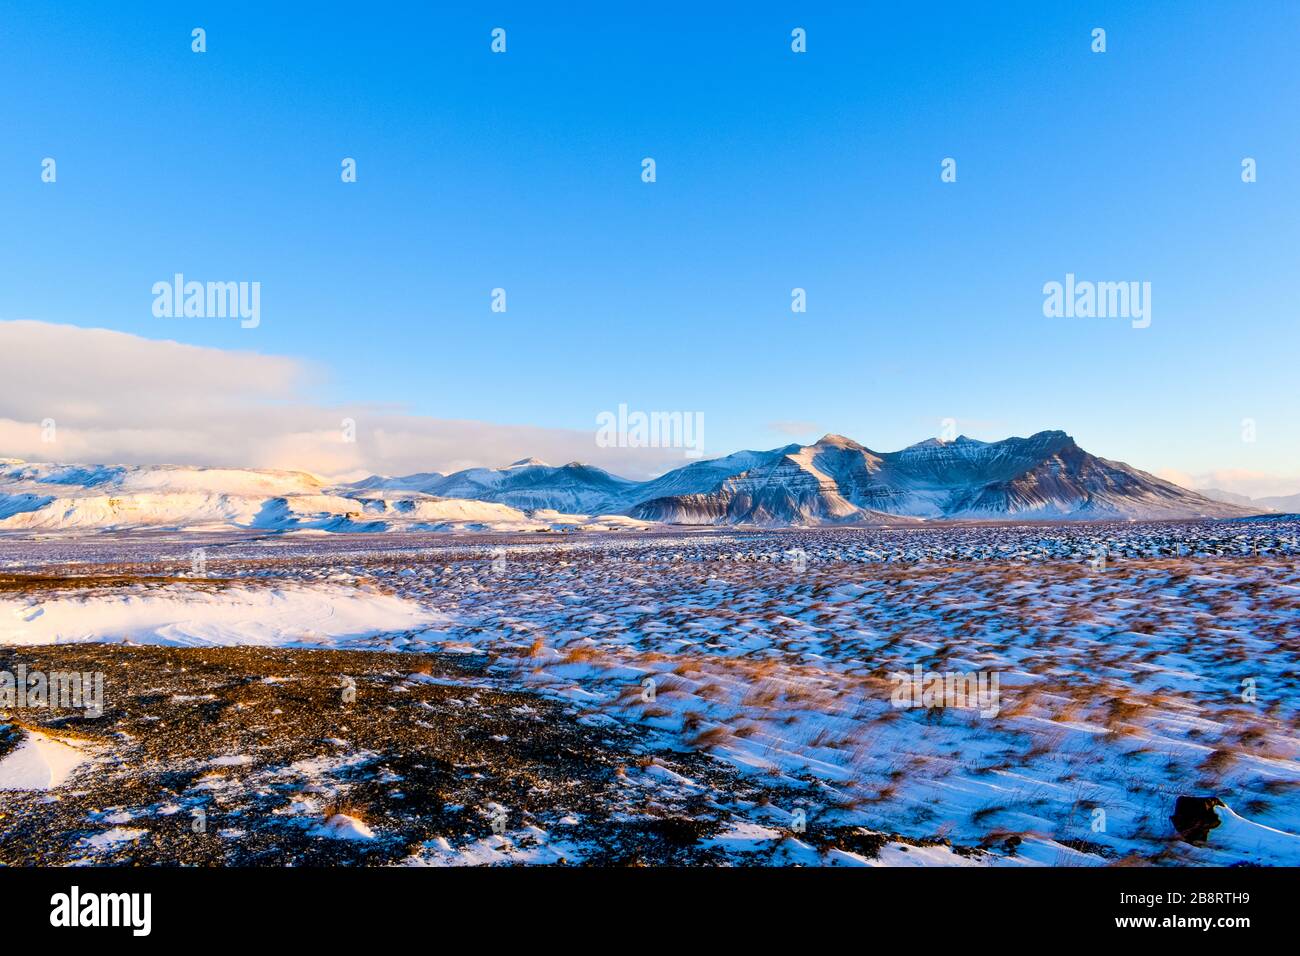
[796, 429]
[120, 398]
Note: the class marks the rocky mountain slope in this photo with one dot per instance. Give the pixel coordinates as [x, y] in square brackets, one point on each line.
[837, 480]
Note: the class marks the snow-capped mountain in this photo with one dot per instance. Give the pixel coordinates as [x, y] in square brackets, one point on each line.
[417, 482]
[835, 481]
[529, 484]
[43, 497]
[792, 486]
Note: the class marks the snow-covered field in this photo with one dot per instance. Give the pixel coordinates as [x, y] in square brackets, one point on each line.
[193, 615]
[1134, 663]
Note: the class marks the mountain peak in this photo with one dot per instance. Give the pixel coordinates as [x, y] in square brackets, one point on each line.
[526, 462]
[837, 441]
[1054, 439]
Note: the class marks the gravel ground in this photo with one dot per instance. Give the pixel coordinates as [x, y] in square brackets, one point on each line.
[236, 756]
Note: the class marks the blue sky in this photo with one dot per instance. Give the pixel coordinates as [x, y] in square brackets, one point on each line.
[775, 170]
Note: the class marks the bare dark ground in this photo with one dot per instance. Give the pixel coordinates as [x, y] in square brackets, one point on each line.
[415, 758]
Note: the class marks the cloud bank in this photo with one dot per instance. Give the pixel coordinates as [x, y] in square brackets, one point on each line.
[118, 398]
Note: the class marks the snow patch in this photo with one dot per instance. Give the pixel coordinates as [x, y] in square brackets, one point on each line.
[341, 826]
[40, 762]
[298, 616]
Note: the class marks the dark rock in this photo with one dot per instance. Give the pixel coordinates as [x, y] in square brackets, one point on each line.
[1194, 818]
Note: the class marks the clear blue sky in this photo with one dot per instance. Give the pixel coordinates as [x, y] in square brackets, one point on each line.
[775, 170]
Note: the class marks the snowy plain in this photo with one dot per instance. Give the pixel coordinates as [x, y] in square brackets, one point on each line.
[1123, 651]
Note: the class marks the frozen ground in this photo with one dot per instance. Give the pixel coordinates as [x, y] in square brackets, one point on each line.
[739, 684]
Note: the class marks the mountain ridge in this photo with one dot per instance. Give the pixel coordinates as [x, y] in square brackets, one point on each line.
[835, 480]
[1046, 476]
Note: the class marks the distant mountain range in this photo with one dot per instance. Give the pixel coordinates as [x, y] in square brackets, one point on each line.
[530, 484]
[834, 481]
[1282, 504]
[837, 481]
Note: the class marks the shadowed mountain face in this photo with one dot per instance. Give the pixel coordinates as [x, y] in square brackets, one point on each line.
[837, 480]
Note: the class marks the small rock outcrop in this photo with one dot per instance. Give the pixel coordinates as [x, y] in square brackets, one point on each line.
[1194, 818]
